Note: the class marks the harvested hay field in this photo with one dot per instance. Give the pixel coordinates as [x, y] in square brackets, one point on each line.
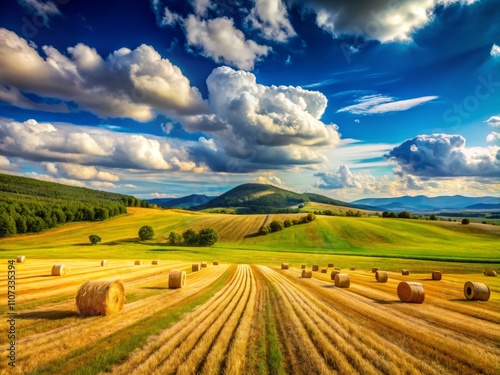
[253, 319]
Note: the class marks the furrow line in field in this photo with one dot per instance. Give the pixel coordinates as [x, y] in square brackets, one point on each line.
[211, 362]
[161, 346]
[417, 337]
[186, 357]
[236, 358]
[61, 340]
[306, 357]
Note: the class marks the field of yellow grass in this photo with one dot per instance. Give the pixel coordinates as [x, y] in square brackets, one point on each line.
[250, 319]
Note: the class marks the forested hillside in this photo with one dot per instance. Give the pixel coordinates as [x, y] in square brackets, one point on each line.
[29, 206]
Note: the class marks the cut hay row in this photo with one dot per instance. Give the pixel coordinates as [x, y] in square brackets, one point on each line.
[340, 350]
[90, 331]
[169, 347]
[446, 347]
[37, 287]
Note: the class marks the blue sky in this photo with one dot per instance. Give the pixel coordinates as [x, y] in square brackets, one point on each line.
[349, 99]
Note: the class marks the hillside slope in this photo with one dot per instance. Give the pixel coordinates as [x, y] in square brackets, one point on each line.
[183, 202]
[256, 198]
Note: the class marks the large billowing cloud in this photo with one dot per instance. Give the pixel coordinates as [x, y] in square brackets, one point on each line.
[444, 155]
[77, 152]
[128, 83]
[271, 18]
[220, 40]
[376, 104]
[383, 20]
[261, 127]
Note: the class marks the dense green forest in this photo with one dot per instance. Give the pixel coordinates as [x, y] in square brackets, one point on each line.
[30, 206]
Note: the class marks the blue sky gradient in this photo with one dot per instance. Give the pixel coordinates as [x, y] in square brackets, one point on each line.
[165, 99]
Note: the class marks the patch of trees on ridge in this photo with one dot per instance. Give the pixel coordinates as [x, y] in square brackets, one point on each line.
[31, 206]
[276, 225]
[205, 237]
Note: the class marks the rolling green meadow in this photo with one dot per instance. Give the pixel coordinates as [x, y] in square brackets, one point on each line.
[393, 243]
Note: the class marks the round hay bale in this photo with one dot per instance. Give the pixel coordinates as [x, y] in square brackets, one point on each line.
[342, 280]
[215, 263]
[195, 267]
[374, 269]
[331, 265]
[489, 272]
[203, 264]
[315, 267]
[155, 262]
[100, 298]
[476, 291]
[176, 279]
[104, 262]
[381, 276]
[352, 268]
[21, 259]
[284, 266]
[411, 292]
[332, 275]
[303, 266]
[405, 272]
[138, 262]
[324, 270]
[437, 275]
[59, 270]
[307, 274]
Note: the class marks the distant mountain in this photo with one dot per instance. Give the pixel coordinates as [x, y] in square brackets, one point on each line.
[268, 198]
[256, 197]
[424, 203]
[334, 202]
[183, 202]
[484, 206]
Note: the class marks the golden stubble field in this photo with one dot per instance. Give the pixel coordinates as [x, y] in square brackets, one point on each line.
[252, 320]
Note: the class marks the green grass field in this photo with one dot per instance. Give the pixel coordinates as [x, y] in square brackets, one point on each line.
[395, 243]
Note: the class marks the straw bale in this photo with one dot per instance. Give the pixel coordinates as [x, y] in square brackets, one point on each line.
[176, 279]
[59, 270]
[411, 292]
[342, 280]
[476, 291]
[100, 298]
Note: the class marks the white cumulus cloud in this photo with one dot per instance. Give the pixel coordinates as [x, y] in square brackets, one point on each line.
[221, 41]
[129, 83]
[271, 18]
[495, 50]
[264, 127]
[494, 121]
[383, 20]
[444, 155]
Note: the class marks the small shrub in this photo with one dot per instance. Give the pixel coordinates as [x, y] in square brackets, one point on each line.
[287, 223]
[94, 239]
[465, 221]
[264, 230]
[275, 226]
[311, 217]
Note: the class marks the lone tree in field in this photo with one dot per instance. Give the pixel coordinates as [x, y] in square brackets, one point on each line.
[465, 221]
[207, 237]
[146, 233]
[94, 239]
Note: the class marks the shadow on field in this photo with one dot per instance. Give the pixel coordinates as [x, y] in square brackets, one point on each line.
[329, 286]
[155, 287]
[382, 302]
[252, 235]
[173, 251]
[48, 315]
